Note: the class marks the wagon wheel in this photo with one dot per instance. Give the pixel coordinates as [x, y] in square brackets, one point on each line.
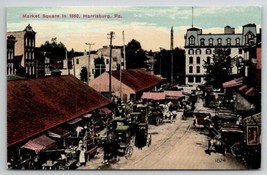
[128, 152]
[235, 148]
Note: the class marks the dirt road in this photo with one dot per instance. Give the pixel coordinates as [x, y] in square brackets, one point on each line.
[175, 145]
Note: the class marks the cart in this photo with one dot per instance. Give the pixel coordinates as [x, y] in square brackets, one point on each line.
[123, 139]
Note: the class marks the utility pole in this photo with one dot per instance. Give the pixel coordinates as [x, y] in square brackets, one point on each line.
[171, 55]
[111, 36]
[89, 74]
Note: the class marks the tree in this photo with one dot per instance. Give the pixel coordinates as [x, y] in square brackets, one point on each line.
[56, 51]
[163, 65]
[84, 74]
[99, 66]
[220, 70]
[135, 55]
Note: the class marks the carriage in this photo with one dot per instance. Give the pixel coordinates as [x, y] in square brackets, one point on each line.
[123, 139]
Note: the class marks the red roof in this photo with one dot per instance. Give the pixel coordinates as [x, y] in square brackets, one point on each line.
[153, 95]
[137, 79]
[37, 105]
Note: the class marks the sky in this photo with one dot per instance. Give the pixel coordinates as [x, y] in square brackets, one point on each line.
[149, 25]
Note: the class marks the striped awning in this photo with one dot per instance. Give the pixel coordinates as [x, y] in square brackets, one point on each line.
[40, 143]
[233, 83]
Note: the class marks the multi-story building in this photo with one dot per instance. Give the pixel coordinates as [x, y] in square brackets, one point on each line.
[99, 62]
[24, 47]
[200, 47]
[11, 40]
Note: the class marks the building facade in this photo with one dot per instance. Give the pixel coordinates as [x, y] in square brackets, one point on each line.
[25, 46]
[200, 47]
[99, 62]
[11, 40]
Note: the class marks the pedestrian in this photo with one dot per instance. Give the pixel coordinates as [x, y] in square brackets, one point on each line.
[82, 157]
[79, 130]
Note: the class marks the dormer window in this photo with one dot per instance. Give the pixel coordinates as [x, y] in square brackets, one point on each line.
[228, 41]
[211, 42]
[249, 37]
[191, 40]
[219, 41]
[237, 40]
[202, 42]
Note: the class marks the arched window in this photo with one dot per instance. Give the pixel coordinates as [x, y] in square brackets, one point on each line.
[208, 51]
[191, 40]
[219, 41]
[198, 51]
[191, 51]
[249, 37]
[237, 40]
[198, 69]
[190, 60]
[211, 42]
[228, 41]
[208, 60]
[190, 69]
[202, 42]
[198, 60]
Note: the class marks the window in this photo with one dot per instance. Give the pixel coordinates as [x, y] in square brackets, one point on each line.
[198, 51]
[228, 41]
[191, 40]
[190, 51]
[198, 60]
[219, 41]
[107, 61]
[240, 51]
[202, 42]
[198, 69]
[208, 60]
[211, 42]
[190, 69]
[249, 37]
[228, 51]
[208, 51]
[77, 61]
[190, 60]
[190, 79]
[237, 40]
[198, 79]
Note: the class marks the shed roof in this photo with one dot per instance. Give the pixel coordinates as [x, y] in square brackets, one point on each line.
[37, 105]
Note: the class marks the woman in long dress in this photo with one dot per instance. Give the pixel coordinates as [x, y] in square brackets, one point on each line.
[82, 157]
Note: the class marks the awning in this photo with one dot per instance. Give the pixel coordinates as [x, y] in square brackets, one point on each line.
[105, 111]
[40, 143]
[250, 92]
[153, 95]
[243, 88]
[72, 122]
[233, 83]
[58, 132]
[176, 94]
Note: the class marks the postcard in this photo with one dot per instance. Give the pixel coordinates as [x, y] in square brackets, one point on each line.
[133, 88]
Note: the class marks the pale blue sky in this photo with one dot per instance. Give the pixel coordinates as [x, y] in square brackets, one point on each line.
[149, 25]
